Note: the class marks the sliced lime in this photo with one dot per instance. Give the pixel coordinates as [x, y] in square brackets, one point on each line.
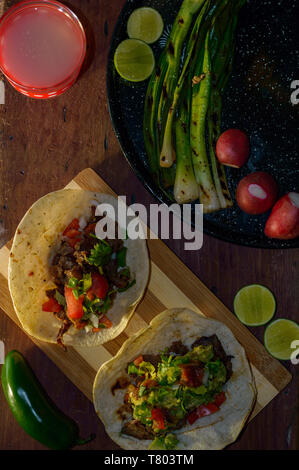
[280, 336]
[146, 24]
[134, 60]
[254, 305]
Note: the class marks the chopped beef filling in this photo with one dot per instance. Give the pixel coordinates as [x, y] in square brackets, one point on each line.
[82, 256]
[177, 347]
[153, 359]
[218, 351]
[182, 386]
[136, 429]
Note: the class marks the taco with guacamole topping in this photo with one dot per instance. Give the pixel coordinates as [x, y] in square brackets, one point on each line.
[67, 285]
[183, 382]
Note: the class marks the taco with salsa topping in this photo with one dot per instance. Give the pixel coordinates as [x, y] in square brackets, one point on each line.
[67, 285]
[183, 382]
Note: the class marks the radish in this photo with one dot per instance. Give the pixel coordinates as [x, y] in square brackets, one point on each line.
[232, 148]
[256, 193]
[283, 222]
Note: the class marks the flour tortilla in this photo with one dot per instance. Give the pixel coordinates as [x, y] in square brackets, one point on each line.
[209, 433]
[37, 238]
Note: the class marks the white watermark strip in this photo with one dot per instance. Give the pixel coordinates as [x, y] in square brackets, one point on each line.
[2, 352]
[166, 222]
[295, 94]
[294, 358]
[2, 92]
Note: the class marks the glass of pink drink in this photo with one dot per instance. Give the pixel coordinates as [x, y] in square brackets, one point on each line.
[42, 47]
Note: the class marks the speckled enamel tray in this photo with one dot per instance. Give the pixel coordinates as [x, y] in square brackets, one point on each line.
[257, 100]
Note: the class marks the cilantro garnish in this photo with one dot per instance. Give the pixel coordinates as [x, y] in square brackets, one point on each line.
[100, 254]
[80, 286]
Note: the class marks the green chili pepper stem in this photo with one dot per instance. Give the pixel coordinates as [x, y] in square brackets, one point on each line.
[81, 442]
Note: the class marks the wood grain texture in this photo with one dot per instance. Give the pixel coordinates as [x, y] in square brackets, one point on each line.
[43, 145]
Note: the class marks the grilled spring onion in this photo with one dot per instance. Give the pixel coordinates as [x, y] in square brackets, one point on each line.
[207, 65]
[166, 67]
[185, 187]
[167, 155]
[200, 100]
[201, 92]
[221, 70]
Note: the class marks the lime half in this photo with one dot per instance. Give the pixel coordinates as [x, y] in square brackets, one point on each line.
[279, 336]
[146, 24]
[134, 60]
[254, 305]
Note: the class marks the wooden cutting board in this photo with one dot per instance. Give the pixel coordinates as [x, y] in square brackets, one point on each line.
[171, 284]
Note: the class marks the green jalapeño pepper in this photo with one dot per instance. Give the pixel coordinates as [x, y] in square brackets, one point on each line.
[33, 409]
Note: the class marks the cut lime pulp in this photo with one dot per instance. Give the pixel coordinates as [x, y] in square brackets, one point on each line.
[254, 305]
[146, 24]
[134, 60]
[279, 338]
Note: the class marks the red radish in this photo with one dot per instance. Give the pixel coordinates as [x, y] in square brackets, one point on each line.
[256, 193]
[232, 148]
[283, 222]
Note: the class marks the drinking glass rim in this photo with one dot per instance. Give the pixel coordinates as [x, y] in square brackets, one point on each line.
[29, 3]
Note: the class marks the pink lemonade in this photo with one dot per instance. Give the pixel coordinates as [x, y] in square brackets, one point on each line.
[42, 47]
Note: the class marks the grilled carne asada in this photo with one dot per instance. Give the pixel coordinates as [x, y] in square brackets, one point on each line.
[191, 386]
[176, 387]
[88, 274]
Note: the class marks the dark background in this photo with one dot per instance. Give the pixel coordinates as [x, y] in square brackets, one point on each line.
[43, 145]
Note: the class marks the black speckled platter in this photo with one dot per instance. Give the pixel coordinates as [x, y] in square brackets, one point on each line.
[257, 100]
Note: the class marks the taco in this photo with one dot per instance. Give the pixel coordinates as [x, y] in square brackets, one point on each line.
[183, 382]
[67, 285]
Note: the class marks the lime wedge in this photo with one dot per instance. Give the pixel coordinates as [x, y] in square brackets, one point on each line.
[254, 305]
[279, 336]
[134, 60]
[146, 24]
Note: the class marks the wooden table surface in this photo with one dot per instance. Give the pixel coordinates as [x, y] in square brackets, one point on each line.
[43, 145]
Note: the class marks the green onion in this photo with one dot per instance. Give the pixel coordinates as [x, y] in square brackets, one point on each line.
[60, 299]
[123, 289]
[121, 257]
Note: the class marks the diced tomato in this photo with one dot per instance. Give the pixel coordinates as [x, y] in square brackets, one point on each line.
[219, 399]
[192, 375]
[201, 411]
[90, 295]
[74, 225]
[149, 383]
[192, 417]
[138, 360]
[74, 306]
[51, 306]
[105, 321]
[90, 228]
[158, 419]
[206, 410]
[72, 233]
[73, 241]
[99, 286]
